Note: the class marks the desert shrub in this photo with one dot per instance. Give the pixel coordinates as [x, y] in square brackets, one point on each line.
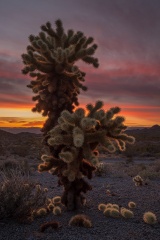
[134, 170]
[20, 150]
[149, 173]
[12, 165]
[129, 160]
[102, 169]
[2, 150]
[156, 166]
[19, 197]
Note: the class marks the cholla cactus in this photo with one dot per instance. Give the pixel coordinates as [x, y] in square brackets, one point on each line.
[41, 212]
[149, 218]
[50, 61]
[72, 137]
[80, 220]
[102, 207]
[57, 210]
[77, 135]
[126, 213]
[138, 181]
[131, 204]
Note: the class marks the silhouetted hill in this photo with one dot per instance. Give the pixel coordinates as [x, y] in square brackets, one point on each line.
[21, 144]
[29, 144]
[19, 130]
[146, 134]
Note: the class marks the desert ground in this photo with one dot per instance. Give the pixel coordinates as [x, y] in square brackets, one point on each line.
[111, 183]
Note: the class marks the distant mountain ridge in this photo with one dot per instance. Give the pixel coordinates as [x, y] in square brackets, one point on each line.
[37, 130]
[17, 130]
[28, 142]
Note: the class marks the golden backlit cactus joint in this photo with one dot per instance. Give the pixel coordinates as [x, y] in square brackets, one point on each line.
[82, 131]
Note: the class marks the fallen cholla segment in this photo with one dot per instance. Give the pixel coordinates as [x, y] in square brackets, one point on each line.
[57, 210]
[80, 220]
[131, 204]
[126, 213]
[138, 181]
[41, 212]
[150, 218]
[53, 224]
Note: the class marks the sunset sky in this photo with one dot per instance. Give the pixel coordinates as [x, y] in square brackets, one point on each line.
[128, 36]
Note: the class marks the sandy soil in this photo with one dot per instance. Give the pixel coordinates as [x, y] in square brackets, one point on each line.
[122, 190]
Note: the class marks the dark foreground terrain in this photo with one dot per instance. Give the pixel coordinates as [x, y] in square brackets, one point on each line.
[115, 175]
[123, 190]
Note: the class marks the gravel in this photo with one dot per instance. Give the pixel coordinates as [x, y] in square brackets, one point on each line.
[122, 191]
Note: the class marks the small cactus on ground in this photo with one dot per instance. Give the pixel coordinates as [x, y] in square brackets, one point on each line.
[53, 225]
[56, 199]
[126, 213]
[107, 212]
[109, 205]
[116, 206]
[50, 206]
[80, 220]
[41, 212]
[57, 210]
[102, 206]
[150, 218]
[138, 181]
[114, 212]
[131, 204]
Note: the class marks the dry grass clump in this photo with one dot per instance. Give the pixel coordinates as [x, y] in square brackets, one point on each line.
[19, 197]
[7, 166]
[80, 220]
[149, 218]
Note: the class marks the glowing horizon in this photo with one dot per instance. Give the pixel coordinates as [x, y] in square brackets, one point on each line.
[24, 117]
